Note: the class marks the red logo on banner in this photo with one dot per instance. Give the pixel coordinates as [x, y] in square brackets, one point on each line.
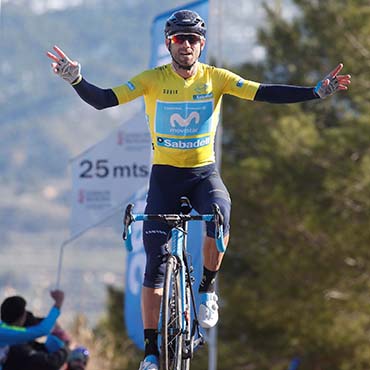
[120, 138]
[81, 196]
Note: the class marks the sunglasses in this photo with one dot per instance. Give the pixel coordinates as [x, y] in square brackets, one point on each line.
[179, 39]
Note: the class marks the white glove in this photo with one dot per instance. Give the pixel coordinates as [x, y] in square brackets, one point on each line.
[332, 83]
[325, 88]
[64, 67]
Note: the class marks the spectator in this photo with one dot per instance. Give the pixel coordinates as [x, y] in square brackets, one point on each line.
[13, 317]
[36, 356]
[78, 359]
[57, 331]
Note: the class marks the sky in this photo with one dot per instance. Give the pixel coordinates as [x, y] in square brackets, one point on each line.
[235, 29]
[42, 6]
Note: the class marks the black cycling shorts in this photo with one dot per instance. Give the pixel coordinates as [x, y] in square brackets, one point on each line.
[202, 185]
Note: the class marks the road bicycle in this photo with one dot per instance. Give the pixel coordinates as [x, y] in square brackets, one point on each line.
[179, 329]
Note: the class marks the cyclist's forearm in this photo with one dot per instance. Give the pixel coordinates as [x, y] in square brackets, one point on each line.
[284, 93]
[95, 96]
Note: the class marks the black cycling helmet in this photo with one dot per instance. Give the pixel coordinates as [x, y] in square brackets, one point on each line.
[185, 21]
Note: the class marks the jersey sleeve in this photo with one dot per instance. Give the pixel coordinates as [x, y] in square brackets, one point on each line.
[236, 85]
[132, 89]
[11, 335]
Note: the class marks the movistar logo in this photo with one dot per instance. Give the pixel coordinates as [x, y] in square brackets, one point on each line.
[184, 122]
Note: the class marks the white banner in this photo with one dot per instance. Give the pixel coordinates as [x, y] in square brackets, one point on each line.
[106, 175]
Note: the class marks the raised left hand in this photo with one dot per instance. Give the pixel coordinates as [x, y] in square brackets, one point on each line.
[332, 83]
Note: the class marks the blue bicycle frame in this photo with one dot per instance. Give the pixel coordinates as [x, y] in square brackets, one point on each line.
[178, 226]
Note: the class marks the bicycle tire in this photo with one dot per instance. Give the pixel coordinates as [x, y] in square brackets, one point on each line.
[171, 316]
[185, 363]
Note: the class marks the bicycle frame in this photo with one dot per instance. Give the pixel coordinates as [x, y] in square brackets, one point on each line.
[178, 226]
[179, 242]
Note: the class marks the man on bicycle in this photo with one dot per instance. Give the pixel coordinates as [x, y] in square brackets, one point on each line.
[182, 101]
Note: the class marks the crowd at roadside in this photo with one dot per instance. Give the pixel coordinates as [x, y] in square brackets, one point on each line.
[28, 342]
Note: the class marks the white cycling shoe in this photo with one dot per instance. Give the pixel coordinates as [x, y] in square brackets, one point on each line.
[149, 363]
[208, 310]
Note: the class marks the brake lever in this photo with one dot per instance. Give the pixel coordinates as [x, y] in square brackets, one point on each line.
[219, 233]
[128, 219]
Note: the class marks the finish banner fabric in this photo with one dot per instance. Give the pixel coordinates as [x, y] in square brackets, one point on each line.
[135, 262]
[106, 175]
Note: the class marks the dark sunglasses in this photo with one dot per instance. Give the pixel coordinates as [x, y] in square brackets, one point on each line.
[179, 39]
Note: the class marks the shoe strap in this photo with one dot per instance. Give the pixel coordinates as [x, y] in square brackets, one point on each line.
[206, 297]
[152, 359]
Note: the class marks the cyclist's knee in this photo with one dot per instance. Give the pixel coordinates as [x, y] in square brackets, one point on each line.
[225, 208]
[154, 276]
[154, 269]
[154, 239]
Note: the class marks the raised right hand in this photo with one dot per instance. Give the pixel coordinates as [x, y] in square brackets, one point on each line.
[64, 67]
[58, 296]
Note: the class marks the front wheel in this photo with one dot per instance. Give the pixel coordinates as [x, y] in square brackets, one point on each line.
[171, 332]
[187, 351]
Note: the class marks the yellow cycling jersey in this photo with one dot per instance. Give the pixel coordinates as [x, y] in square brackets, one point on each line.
[183, 114]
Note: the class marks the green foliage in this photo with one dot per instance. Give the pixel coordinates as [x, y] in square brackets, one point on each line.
[116, 350]
[295, 278]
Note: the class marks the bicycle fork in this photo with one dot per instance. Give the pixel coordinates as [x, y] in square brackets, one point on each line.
[189, 327]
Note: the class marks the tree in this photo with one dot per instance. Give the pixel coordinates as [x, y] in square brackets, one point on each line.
[295, 278]
[114, 346]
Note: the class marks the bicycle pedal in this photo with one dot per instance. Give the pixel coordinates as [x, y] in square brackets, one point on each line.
[187, 351]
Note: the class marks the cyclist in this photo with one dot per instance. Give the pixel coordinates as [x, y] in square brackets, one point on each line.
[13, 317]
[182, 101]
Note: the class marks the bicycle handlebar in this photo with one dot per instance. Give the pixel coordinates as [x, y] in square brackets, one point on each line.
[174, 220]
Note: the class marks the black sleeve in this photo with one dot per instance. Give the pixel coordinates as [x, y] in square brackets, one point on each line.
[95, 96]
[284, 93]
